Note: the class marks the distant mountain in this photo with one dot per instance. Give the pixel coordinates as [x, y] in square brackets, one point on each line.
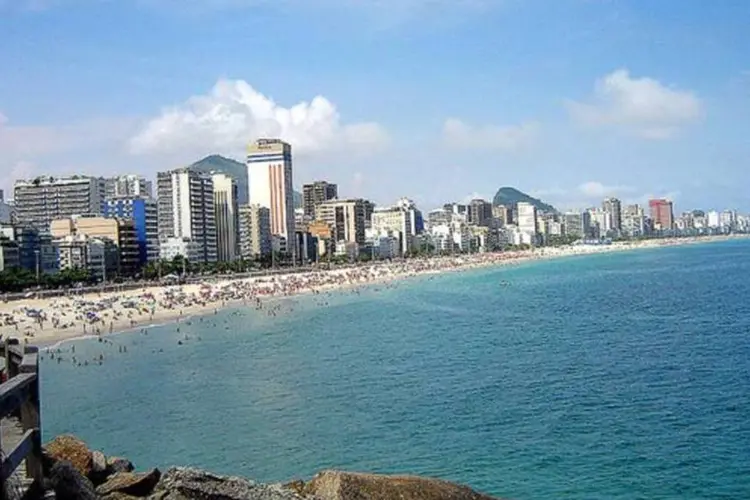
[236, 170]
[510, 196]
[233, 168]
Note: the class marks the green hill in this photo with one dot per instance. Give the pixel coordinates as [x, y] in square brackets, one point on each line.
[233, 168]
[236, 170]
[509, 196]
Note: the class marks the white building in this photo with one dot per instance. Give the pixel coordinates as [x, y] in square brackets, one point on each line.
[183, 247]
[395, 222]
[226, 212]
[601, 220]
[186, 210]
[726, 220]
[348, 249]
[714, 221]
[527, 220]
[128, 186]
[269, 167]
[78, 251]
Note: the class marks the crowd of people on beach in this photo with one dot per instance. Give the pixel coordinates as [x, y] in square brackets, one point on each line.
[49, 321]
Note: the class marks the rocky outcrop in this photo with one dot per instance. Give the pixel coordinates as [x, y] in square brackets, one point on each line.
[130, 483]
[336, 485]
[76, 473]
[182, 483]
[73, 450]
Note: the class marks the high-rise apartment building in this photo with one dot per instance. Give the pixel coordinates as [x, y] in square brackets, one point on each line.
[479, 212]
[254, 231]
[577, 224]
[227, 216]
[346, 219]
[662, 215]
[316, 193]
[527, 219]
[395, 222]
[128, 186]
[269, 166]
[503, 213]
[144, 214]
[44, 199]
[186, 210]
[613, 207]
[633, 221]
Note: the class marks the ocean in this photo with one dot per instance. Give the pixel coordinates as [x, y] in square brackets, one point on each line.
[612, 376]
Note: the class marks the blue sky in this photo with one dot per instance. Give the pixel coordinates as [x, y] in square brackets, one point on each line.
[438, 100]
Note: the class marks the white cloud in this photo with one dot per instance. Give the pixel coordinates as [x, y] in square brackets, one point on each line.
[593, 189]
[642, 106]
[234, 113]
[459, 135]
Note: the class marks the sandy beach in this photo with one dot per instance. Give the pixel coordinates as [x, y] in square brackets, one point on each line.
[49, 321]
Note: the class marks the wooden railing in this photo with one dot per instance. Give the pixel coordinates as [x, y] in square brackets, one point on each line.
[19, 397]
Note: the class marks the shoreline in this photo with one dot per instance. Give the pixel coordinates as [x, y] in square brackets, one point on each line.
[50, 322]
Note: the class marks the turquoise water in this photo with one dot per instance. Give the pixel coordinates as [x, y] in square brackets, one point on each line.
[609, 376]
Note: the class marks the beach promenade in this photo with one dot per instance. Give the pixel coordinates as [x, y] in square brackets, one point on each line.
[48, 321]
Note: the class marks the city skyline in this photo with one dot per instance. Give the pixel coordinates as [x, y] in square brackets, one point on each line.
[570, 102]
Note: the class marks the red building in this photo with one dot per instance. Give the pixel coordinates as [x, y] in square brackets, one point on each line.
[661, 214]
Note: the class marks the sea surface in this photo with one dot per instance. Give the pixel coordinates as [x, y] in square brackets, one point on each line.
[614, 376]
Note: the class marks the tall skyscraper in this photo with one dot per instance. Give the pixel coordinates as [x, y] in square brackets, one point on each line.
[269, 166]
[128, 185]
[661, 213]
[227, 216]
[316, 193]
[613, 207]
[186, 210]
[39, 201]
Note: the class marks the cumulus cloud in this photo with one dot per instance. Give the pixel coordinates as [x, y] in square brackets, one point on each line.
[459, 135]
[643, 106]
[233, 113]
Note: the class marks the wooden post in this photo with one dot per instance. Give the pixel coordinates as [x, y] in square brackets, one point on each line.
[30, 416]
[6, 355]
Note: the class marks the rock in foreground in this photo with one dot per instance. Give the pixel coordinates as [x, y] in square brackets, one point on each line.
[74, 472]
[180, 483]
[335, 485]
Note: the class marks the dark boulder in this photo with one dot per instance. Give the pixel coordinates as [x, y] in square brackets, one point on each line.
[118, 464]
[69, 484]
